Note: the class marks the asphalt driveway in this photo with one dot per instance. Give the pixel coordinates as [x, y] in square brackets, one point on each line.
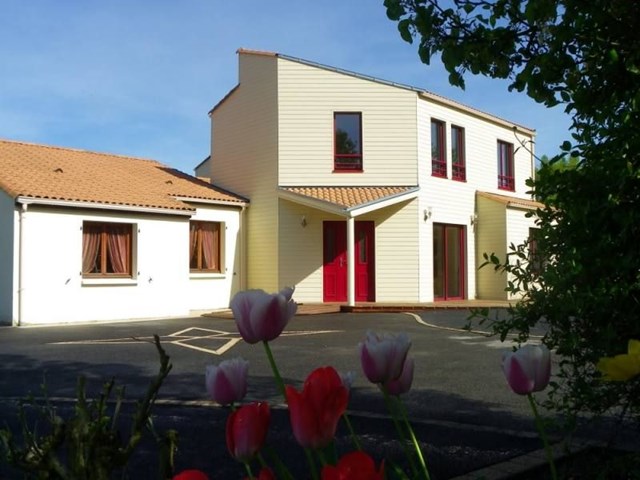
[462, 407]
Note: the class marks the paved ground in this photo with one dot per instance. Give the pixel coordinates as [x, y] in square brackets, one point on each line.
[460, 403]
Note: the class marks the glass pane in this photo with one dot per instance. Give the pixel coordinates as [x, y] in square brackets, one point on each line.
[454, 145]
[436, 144]
[438, 261]
[347, 133]
[453, 261]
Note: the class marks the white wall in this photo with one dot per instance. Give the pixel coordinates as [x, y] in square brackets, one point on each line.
[7, 268]
[209, 291]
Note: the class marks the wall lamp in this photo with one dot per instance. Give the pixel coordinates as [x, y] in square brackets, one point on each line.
[427, 213]
[303, 221]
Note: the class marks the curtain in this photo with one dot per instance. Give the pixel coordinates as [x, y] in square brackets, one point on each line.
[90, 246]
[210, 234]
[118, 247]
[193, 243]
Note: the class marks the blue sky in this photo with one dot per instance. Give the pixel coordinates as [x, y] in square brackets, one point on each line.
[137, 77]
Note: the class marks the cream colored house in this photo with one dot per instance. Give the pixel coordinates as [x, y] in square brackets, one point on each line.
[367, 190]
[90, 236]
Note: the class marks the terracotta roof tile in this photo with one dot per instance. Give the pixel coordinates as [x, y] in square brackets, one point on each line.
[512, 201]
[54, 173]
[348, 197]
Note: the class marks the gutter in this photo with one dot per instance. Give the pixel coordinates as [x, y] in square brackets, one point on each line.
[102, 206]
[22, 217]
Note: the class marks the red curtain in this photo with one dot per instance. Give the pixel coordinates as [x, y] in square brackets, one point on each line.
[90, 246]
[118, 247]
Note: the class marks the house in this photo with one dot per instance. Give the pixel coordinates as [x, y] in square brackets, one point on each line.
[91, 236]
[365, 190]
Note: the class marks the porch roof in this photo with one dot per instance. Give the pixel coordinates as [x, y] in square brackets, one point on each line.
[510, 201]
[350, 201]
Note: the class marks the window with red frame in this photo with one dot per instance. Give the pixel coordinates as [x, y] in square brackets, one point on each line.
[458, 166]
[438, 158]
[347, 141]
[505, 166]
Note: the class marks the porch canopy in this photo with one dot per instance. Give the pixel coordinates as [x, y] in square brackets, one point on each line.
[349, 202]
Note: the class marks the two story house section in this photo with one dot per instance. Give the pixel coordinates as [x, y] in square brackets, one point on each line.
[364, 190]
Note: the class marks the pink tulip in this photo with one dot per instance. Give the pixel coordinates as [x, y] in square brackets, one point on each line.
[315, 411]
[261, 317]
[247, 430]
[382, 357]
[402, 384]
[528, 369]
[227, 382]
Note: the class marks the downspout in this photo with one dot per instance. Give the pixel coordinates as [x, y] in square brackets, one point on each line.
[243, 249]
[22, 217]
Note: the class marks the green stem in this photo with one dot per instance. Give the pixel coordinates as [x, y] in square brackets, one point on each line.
[403, 439]
[276, 372]
[323, 460]
[543, 436]
[354, 437]
[312, 464]
[414, 440]
[249, 472]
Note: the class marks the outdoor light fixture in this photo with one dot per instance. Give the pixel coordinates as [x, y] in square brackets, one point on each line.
[427, 213]
[303, 221]
[473, 219]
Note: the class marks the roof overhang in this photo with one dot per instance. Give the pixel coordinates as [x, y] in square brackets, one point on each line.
[102, 206]
[511, 202]
[320, 201]
[225, 203]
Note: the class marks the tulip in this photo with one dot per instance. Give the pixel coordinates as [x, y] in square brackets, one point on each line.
[382, 357]
[227, 382]
[403, 383]
[527, 369]
[191, 475]
[353, 466]
[622, 367]
[247, 430]
[262, 317]
[315, 411]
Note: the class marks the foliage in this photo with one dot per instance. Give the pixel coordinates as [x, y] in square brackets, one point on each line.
[586, 56]
[89, 445]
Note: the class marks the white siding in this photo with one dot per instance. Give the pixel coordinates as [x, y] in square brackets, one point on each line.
[54, 290]
[308, 96]
[491, 238]
[209, 291]
[244, 160]
[7, 230]
[396, 252]
[517, 230]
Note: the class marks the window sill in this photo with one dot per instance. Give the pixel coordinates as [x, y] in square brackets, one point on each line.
[206, 275]
[507, 189]
[348, 170]
[438, 175]
[109, 282]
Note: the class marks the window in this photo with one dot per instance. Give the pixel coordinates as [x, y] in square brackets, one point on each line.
[458, 168]
[347, 141]
[438, 159]
[204, 247]
[106, 249]
[505, 166]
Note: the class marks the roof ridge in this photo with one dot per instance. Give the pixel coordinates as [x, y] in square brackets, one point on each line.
[79, 150]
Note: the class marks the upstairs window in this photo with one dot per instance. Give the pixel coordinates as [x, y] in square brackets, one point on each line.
[204, 247]
[458, 165]
[106, 249]
[438, 156]
[505, 166]
[347, 141]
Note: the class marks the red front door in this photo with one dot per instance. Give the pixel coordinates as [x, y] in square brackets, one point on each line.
[335, 261]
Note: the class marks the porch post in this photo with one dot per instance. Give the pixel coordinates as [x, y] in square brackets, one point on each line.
[351, 270]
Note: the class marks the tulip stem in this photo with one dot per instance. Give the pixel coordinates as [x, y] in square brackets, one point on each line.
[403, 439]
[352, 432]
[312, 464]
[276, 372]
[249, 472]
[543, 436]
[414, 440]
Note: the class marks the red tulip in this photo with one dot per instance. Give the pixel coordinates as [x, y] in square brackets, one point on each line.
[382, 356]
[261, 317]
[402, 384]
[227, 382]
[353, 466]
[191, 475]
[528, 369]
[315, 411]
[265, 474]
[247, 430]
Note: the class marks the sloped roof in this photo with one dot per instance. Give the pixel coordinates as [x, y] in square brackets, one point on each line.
[348, 198]
[510, 201]
[69, 175]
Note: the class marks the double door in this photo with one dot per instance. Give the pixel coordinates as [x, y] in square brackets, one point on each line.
[448, 261]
